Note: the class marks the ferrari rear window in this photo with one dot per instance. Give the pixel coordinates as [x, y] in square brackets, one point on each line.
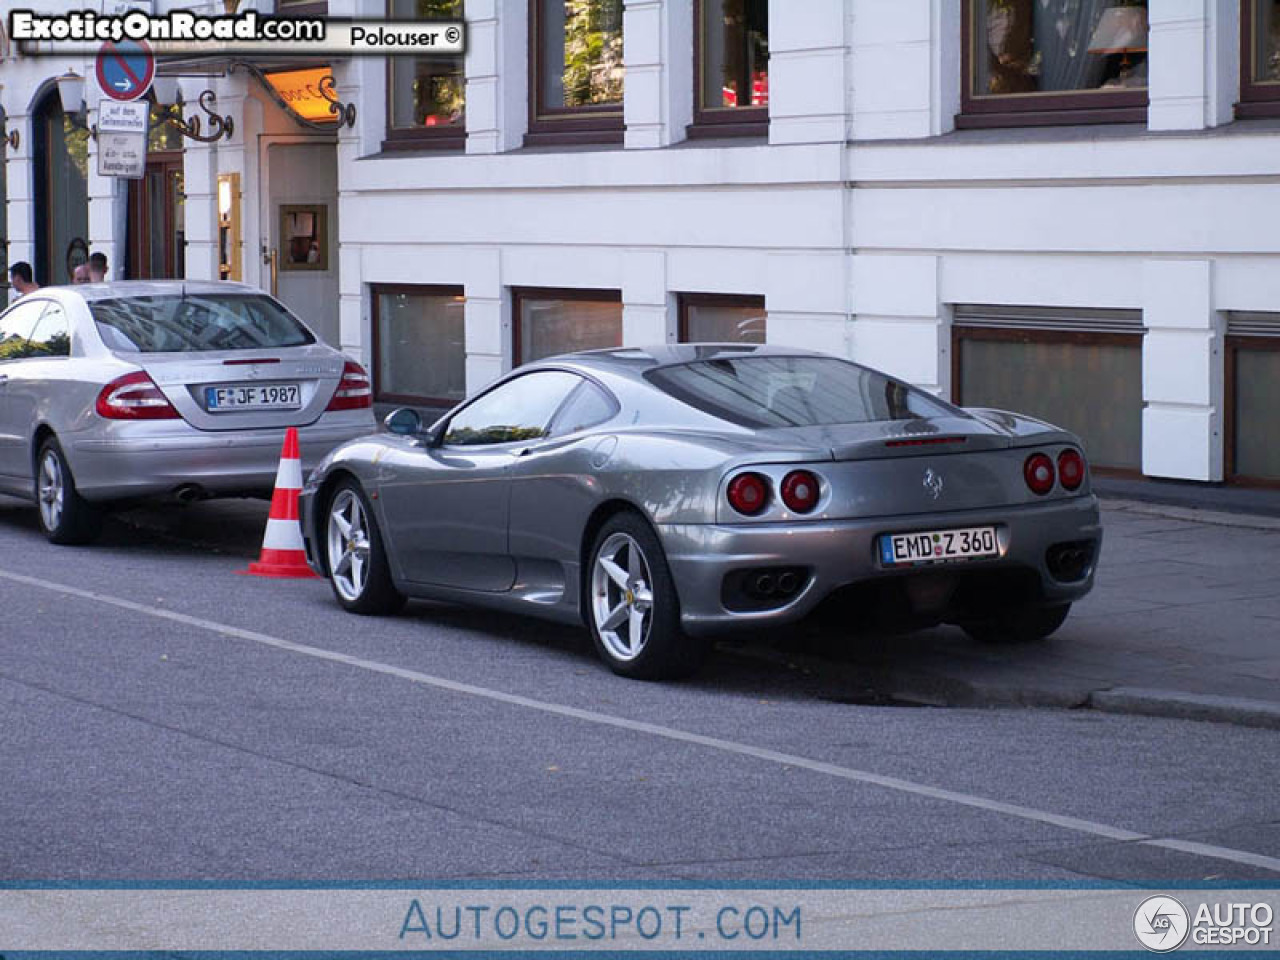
[193, 323]
[772, 391]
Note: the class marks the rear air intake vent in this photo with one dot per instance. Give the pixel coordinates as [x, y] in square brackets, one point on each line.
[923, 441]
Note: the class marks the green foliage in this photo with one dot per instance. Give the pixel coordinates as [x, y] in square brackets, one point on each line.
[592, 52]
[469, 436]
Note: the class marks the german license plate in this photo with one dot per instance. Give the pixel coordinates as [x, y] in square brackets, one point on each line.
[936, 546]
[260, 396]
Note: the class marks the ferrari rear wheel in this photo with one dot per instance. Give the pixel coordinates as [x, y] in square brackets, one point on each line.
[1021, 625]
[633, 609]
[355, 557]
[65, 516]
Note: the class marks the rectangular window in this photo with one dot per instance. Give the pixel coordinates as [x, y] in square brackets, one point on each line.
[716, 318]
[1077, 369]
[1260, 59]
[1252, 396]
[302, 8]
[426, 96]
[576, 71]
[419, 346]
[731, 67]
[1042, 62]
[548, 322]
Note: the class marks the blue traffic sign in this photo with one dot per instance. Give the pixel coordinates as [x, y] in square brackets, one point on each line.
[125, 69]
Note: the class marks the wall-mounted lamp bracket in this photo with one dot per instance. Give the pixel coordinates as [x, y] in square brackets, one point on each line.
[345, 112]
[219, 125]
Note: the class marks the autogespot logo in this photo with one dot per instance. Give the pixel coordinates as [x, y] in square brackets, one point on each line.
[1161, 924]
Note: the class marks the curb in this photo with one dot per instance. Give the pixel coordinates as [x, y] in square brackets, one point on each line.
[1188, 706]
[869, 685]
[1250, 521]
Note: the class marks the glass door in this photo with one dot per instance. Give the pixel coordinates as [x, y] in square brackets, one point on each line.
[157, 240]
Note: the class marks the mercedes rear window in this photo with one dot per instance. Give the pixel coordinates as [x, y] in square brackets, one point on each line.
[778, 391]
[175, 323]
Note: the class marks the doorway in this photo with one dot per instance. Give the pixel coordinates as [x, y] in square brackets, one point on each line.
[157, 240]
[301, 220]
[60, 155]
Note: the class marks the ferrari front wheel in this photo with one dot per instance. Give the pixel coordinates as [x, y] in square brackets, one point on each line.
[633, 610]
[355, 556]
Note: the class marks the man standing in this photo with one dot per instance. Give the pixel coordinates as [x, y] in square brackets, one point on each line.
[98, 268]
[21, 278]
[81, 274]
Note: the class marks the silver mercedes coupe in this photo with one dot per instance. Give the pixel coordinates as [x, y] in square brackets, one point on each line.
[113, 392]
[666, 495]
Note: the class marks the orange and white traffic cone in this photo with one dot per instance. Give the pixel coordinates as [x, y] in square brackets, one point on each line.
[283, 554]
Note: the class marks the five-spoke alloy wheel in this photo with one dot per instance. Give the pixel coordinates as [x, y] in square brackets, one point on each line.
[354, 555]
[632, 608]
[622, 596]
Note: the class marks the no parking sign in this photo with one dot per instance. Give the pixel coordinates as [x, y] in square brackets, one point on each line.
[125, 69]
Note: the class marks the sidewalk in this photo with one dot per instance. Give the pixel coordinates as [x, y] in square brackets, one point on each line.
[1219, 498]
[1184, 621]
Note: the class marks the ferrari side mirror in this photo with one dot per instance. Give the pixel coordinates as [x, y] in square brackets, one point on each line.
[404, 422]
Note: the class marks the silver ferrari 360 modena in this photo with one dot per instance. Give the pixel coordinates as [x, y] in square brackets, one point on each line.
[114, 392]
[666, 495]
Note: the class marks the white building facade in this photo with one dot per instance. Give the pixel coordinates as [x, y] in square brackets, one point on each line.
[1061, 206]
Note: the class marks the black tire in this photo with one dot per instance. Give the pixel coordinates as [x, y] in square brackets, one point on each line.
[663, 651]
[65, 516]
[363, 585]
[1022, 625]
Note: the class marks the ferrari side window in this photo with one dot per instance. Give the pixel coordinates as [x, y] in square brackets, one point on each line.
[588, 406]
[519, 409]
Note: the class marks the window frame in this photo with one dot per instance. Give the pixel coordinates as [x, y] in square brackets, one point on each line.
[565, 126]
[304, 8]
[1233, 344]
[429, 290]
[725, 121]
[686, 300]
[1257, 98]
[1083, 338]
[450, 137]
[520, 294]
[1036, 109]
[447, 423]
[588, 383]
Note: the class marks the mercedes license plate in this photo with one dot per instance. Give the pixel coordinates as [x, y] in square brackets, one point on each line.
[261, 396]
[935, 546]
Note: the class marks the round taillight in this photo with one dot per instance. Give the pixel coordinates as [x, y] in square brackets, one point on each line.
[800, 491]
[1038, 471]
[1071, 469]
[748, 493]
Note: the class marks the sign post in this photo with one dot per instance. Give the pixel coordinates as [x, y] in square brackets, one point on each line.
[122, 138]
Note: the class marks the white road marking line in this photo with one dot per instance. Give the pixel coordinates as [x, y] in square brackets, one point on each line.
[1075, 824]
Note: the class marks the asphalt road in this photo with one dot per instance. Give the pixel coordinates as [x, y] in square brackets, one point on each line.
[163, 719]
